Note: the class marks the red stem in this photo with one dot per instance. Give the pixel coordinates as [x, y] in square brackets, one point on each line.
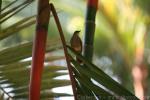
[39, 46]
[93, 3]
[37, 64]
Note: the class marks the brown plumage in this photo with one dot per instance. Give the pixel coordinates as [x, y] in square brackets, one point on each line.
[76, 43]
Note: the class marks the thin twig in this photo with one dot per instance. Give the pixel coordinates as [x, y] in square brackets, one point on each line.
[65, 49]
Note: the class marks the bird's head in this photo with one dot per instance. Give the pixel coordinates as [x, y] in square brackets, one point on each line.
[76, 32]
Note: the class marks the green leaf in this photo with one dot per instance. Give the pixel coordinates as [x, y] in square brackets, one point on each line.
[21, 72]
[22, 5]
[92, 71]
[24, 23]
[7, 6]
[79, 75]
[22, 51]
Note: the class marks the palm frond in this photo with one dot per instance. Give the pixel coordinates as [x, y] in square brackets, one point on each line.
[94, 73]
[24, 23]
[19, 90]
[15, 72]
[10, 4]
[22, 51]
[14, 10]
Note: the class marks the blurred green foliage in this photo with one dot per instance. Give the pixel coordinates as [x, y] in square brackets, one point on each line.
[144, 5]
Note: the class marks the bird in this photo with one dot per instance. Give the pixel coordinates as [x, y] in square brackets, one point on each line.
[76, 43]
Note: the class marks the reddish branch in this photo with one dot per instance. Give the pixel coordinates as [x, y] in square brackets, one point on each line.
[65, 50]
[39, 49]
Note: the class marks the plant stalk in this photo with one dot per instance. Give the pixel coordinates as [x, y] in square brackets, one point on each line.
[39, 49]
[90, 29]
[65, 51]
[89, 35]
